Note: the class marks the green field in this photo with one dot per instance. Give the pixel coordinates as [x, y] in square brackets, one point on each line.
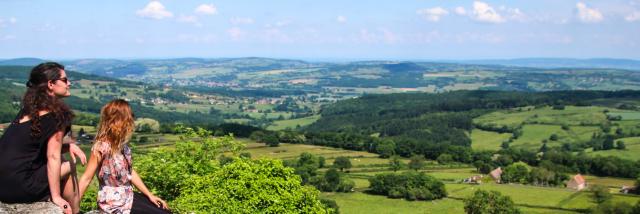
[631, 152]
[293, 123]
[538, 124]
[530, 199]
[486, 140]
[571, 115]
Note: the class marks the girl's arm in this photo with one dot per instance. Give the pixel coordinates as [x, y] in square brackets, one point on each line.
[87, 177]
[137, 182]
[54, 161]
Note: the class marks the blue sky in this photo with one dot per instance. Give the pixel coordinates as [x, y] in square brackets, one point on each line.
[327, 29]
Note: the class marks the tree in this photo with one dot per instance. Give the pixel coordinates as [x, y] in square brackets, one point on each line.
[543, 148]
[307, 166]
[600, 193]
[342, 163]
[271, 140]
[332, 177]
[147, 125]
[410, 185]
[386, 148]
[553, 137]
[620, 145]
[504, 145]
[417, 162]
[515, 173]
[607, 144]
[445, 159]
[610, 207]
[395, 163]
[482, 202]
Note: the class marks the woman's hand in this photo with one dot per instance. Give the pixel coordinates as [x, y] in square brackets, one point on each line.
[74, 151]
[64, 205]
[158, 202]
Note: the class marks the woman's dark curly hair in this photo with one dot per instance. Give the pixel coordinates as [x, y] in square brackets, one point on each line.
[38, 98]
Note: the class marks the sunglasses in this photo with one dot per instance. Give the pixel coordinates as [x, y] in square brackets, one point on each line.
[64, 79]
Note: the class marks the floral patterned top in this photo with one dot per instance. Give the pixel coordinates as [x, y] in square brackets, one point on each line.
[114, 175]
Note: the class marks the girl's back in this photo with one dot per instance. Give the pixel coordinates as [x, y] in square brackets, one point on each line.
[114, 177]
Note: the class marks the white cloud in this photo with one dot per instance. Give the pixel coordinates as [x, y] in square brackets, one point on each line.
[154, 10]
[588, 15]
[635, 16]
[514, 14]
[13, 20]
[460, 11]
[433, 14]
[241, 20]
[341, 19]
[235, 33]
[206, 9]
[484, 13]
[190, 19]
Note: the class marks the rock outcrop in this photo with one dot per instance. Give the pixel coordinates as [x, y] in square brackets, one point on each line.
[37, 207]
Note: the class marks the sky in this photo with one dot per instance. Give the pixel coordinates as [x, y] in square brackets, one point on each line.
[322, 29]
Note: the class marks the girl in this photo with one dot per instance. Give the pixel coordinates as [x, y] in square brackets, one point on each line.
[111, 161]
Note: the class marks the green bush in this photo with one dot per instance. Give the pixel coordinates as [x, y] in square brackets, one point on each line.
[482, 202]
[247, 186]
[191, 178]
[408, 185]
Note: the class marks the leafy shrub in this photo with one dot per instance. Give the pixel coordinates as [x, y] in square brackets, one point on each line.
[193, 180]
[408, 185]
[247, 186]
[489, 202]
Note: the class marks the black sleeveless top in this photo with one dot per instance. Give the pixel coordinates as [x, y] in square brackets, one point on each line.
[23, 161]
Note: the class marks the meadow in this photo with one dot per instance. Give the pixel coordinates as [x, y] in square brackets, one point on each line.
[573, 124]
[530, 199]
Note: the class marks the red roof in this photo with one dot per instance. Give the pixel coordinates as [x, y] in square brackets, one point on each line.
[578, 179]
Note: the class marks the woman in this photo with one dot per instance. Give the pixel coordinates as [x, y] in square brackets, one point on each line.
[31, 165]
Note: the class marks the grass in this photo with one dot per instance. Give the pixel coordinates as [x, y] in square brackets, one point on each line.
[571, 115]
[290, 151]
[609, 181]
[358, 202]
[293, 123]
[533, 135]
[486, 140]
[632, 151]
[533, 196]
[626, 115]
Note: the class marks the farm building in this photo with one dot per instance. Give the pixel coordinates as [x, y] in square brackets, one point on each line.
[495, 174]
[577, 182]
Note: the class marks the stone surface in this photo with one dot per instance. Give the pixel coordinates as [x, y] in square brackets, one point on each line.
[37, 207]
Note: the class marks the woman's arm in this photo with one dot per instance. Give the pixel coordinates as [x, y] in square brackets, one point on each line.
[87, 177]
[137, 182]
[54, 161]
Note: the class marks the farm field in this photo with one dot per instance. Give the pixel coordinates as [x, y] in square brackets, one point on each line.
[292, 123]
[529, 199]
[574, 124]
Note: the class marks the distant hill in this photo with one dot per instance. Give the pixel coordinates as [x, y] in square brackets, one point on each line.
[563, 63]
[22, 61]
